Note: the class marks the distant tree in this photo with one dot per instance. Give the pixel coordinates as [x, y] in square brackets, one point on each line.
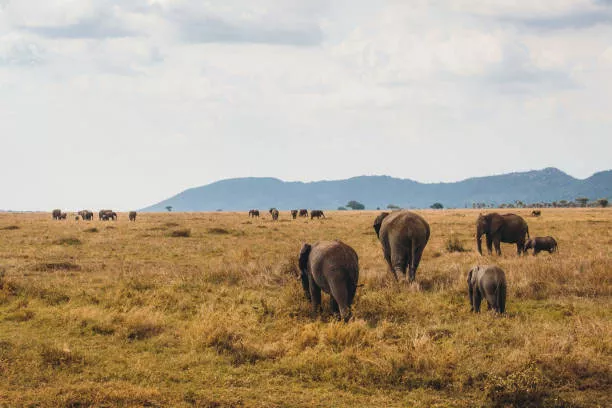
[603, 202]
[582, 201]
[393, 207]
[355, 205]
[437, 206]
[169, 208]
[341, 208]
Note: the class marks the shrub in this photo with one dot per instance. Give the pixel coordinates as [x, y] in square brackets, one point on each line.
[68, 241]
[453, 244]
[94, 229]
[221, 231]
[11, 228]
[184, 233]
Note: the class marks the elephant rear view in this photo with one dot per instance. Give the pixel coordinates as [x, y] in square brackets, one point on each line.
[403, 235]
[508, 228]
[488, 282]
[331, 266]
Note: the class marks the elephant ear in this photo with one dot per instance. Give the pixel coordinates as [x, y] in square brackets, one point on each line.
[496, 221]
[304, 254]
[303, 263]
[471, 274]
[378, 223]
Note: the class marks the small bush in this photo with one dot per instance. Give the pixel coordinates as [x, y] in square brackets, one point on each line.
[230, 344]
[221, 231]
[94, 229]
[182, 233]
[56, 357]
[68, 241]
[453, 244]
[11, 228]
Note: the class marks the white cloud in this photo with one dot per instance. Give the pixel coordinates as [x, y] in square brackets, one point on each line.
[164, 95]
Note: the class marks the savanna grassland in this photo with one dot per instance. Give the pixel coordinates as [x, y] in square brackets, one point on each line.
[204, 309]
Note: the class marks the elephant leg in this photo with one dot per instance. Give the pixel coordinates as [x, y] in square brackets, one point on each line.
[489, 244]
[536, 251]
[519, 248]
[496, 242]
[477, 300]
[416, 259]
[333, 305]
[315, 296]
[340, 294]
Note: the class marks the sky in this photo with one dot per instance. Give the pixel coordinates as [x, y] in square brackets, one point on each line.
[122, 103]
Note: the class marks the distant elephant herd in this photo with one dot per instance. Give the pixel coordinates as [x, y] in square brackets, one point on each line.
[333, 266]
[293, 213]
[86, 215]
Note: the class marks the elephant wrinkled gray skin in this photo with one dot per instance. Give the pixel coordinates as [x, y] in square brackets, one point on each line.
[316, 214]
[488, 282]
[403, 235]
[132, 216]
[274, 213]
[331, 266]
[294, 214]
[539, 244]
[508, 228]
[56, 214]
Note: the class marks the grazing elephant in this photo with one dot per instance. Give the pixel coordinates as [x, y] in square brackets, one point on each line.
[294, 214]
[536, 213]
[316, 214]
[254, 213]
[331, 266]
[57, 214]
[86, 215]
[403, 235]
[274, 213]
[508, 228]
[106, 215]
[541, 244]
[303, 212]
[488, 282]
[132, 216]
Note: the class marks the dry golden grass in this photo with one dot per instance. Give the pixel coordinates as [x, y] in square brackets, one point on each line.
[128, 315]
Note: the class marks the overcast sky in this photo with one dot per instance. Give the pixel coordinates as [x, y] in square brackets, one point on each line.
[122, 103]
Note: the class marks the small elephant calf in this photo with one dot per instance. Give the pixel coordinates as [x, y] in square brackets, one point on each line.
[539, 244]
[488, 282]
[331, 266]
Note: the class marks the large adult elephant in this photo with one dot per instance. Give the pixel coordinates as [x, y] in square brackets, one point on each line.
[316, 214]
[274, 213]
[57, 214]
[508, 228]
[331, 266]
[403, 235]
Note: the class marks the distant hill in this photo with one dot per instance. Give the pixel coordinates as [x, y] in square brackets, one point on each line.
[241, 194]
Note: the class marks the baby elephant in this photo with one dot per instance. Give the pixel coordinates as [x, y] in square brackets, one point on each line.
[541, 244]
[333, 267]
[487, 282]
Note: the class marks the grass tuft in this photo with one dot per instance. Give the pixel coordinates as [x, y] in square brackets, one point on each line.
[68, 241]
[181, 233]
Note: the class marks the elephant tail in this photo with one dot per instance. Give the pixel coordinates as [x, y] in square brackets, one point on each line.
[500, 293]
